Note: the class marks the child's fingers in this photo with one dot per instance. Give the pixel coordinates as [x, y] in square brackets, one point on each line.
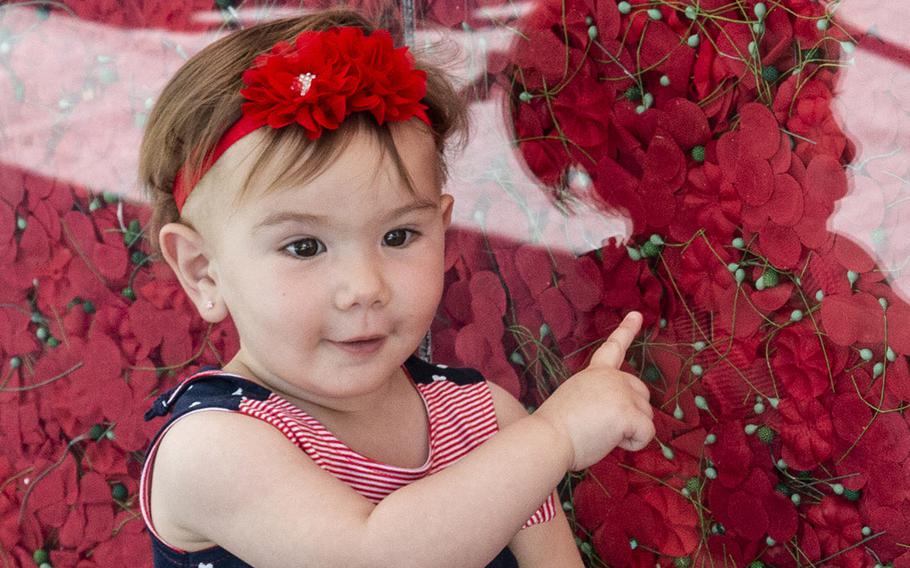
[640, 435]
[613, 351]
[640, 387]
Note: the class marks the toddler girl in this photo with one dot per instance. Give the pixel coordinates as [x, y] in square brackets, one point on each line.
[295, 170]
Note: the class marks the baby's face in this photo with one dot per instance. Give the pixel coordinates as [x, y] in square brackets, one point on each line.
[332, 284]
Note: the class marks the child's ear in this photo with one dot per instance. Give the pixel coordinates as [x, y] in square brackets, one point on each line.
[185, 252]
[446, 203]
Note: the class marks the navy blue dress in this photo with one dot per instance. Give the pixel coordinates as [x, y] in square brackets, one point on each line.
[207, 389]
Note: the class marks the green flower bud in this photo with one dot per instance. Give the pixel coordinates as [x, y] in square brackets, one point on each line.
[119, 492]
[633, 93]
[40, 556]
[96, 432]
[770, 73]
[770, 278]
[650, 250]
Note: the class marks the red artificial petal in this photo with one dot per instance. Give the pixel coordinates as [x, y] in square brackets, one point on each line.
[533, 265]
[457, 301]
[686, 122]
[786, 204]
[681, 536]
[753, 180]
[771, 299]
[826, 179]
[780, 161]
[111, 261]
[592, 504]
[486, 284]
[557, 312]
[851, 255]
[840, 318]
[805, 433]
[760, 134]
[745, 516]
[780, 245]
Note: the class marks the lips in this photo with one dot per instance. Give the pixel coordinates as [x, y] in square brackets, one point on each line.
[362, 345]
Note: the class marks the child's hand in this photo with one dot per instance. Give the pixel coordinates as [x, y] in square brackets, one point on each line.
[602, 407]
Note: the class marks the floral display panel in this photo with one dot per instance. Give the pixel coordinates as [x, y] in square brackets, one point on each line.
[736, 170]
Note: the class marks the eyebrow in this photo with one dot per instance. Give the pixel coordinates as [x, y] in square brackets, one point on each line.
[280, 217]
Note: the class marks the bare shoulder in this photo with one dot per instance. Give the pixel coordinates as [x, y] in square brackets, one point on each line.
[226, 478]
[508, 408]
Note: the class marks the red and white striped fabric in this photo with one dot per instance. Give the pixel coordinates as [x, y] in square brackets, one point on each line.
[461, 417]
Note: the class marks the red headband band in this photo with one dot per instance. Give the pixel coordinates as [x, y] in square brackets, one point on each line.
[316, 83]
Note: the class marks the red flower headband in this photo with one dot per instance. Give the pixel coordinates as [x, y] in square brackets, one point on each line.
[317, 82]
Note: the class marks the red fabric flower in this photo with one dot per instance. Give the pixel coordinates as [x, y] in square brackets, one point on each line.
[325, 76]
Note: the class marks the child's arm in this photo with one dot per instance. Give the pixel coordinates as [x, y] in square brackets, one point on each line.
[549, 544]
[238, 482]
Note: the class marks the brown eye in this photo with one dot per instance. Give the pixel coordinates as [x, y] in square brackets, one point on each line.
[305, 248]
[398, 237]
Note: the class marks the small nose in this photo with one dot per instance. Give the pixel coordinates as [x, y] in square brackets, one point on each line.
[361, 283]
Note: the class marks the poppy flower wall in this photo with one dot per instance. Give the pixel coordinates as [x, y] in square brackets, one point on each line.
[744, 164]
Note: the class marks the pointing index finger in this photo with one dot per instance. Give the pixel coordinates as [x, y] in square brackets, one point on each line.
[613, 351]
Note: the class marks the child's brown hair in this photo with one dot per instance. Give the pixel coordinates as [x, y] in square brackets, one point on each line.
[203, 100]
